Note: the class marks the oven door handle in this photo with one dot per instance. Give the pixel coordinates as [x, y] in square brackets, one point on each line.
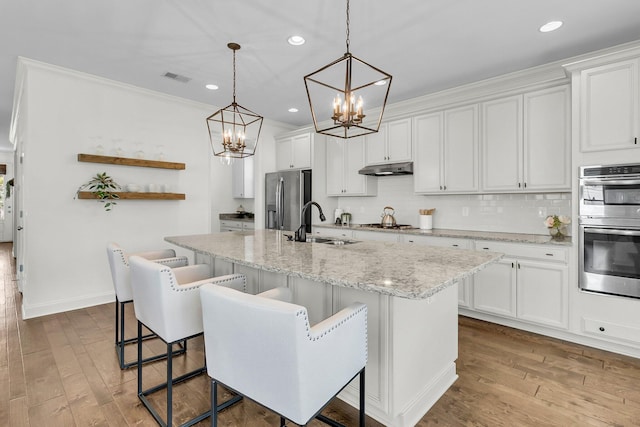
[612, 231]
[611, 182]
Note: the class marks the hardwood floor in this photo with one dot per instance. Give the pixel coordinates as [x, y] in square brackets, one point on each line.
[62, 370]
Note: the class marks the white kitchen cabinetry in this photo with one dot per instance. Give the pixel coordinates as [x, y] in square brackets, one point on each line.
[525, 142]
[446, 153]
[380, 236]
[294, 152]
[230, 225]
[609, 106]
[464, 287]
[531, 283]
[332, 232]
[344, 159]
[242, 184]
[391, 144]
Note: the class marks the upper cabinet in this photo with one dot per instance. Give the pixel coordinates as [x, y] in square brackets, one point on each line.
[525, 142]
[609, 106]
[345, 157]
[446, 151]
[242, 182]
[391, 144]
[294, 152]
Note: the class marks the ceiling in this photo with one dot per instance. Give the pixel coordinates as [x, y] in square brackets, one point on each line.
[427, 45]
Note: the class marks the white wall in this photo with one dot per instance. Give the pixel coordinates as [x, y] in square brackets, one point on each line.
[65, 264]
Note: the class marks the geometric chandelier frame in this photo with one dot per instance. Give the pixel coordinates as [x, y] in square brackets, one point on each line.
[234, 130]
[348, 81]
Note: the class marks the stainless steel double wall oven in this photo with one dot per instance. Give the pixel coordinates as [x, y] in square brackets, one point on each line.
[610, 229]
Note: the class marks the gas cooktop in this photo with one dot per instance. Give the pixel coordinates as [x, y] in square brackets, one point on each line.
[393, 227]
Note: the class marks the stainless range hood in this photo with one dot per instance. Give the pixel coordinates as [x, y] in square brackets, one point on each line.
[405, 168]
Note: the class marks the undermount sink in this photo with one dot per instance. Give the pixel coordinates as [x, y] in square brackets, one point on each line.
[327, 241]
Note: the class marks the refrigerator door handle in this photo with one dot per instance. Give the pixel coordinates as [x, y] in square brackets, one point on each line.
[280, 204]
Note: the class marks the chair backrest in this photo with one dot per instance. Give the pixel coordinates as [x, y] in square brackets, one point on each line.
[171, 310]
[265, 349]
[119, 266]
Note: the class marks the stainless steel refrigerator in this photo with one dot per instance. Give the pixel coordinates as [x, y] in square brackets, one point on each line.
[285, 194]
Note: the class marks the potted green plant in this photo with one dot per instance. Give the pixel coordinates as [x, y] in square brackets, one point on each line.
[104, 188]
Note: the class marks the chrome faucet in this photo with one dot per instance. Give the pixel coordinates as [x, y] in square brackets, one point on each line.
[301, 234]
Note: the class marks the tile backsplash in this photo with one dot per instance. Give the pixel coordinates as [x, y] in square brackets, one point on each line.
[511, 213]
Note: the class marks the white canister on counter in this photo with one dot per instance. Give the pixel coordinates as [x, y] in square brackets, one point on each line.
[426, 222]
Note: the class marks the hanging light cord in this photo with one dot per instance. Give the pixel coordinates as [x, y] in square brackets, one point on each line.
[347, 26]
[234, 76]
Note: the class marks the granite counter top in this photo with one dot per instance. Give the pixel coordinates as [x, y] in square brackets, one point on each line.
[466, 234]
[397, 269]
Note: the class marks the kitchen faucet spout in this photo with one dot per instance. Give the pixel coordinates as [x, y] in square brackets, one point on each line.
[301, 234]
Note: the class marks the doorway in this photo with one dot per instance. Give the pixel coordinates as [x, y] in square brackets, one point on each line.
[6, 203]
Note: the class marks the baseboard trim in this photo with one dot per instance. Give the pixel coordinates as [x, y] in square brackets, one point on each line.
[30, 311]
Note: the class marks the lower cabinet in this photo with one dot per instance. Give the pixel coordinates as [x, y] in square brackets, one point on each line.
[379, 236]
[230, 225]
[531, 283]
[464, 286]
[494, 288]
[333, 232]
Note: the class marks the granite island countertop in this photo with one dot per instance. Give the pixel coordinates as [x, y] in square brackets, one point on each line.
[396, 269]
[463, 234]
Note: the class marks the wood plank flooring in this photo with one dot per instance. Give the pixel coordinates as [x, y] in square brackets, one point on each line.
[62, 370]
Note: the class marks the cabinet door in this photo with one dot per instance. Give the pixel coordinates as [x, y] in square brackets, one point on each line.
[315, 296]
[237, 179]
[335, 166]
[242, 178]
[460, 161]
[377, 343]
[301, 151]
[428, 134]
[376, 151]
[354, 183]
[283, 154]
[547, 143]
[543, 289]
[494, 288]
[399, 141]
[609, 106]
[502, 144]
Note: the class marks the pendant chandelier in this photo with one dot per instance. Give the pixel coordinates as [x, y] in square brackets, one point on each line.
[349, 82]
[234, 130]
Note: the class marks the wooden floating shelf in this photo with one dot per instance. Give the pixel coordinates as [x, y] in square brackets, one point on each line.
[135, 196]
[125, 161]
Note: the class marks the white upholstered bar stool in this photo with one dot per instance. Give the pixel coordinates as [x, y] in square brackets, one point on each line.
[167, 302]
[119, 266]
[269, 353]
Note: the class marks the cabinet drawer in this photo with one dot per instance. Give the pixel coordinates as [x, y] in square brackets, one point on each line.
[449, 242]
[248, 226]
[611, 331]
[333, 232]
[231, 224]
[540, 252]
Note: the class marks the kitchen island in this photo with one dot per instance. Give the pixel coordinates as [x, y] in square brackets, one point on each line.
[411, 295]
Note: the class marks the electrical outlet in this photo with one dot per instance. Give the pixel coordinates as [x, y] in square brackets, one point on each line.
[542, 212]
[465, 211]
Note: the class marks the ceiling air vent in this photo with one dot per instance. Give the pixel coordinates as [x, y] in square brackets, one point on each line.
[177, 77]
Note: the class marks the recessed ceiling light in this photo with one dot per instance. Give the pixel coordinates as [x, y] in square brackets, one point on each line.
[380, 83]
[550, 26]
[293, 110]
[212, 87]
[296, 40]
